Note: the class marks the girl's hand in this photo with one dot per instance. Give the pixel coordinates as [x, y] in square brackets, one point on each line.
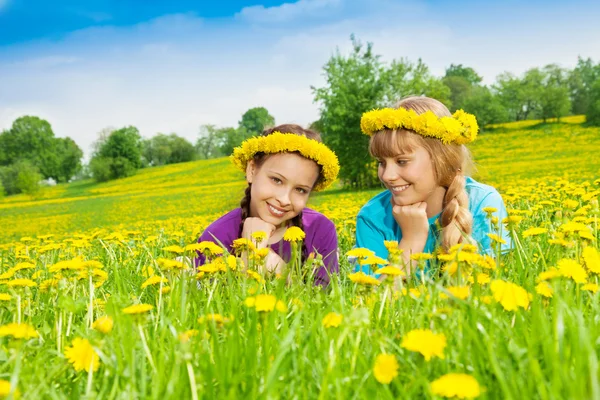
[413, 221]
[252, 224]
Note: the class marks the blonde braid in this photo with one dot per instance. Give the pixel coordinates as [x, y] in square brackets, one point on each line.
[456, 219]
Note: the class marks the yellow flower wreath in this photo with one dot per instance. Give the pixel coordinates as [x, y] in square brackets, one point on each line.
[461, 128]
[278, 142]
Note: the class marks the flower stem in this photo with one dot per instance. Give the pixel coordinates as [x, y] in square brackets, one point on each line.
[147, 349]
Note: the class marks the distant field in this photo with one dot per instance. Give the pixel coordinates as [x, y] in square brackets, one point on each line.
[196, 192]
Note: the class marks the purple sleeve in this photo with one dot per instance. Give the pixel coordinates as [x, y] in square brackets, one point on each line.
[222, 232]
[325, 243]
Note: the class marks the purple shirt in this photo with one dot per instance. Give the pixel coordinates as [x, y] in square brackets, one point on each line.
[321, 238]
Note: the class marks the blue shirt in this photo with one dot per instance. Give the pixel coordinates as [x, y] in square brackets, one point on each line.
[375, 222]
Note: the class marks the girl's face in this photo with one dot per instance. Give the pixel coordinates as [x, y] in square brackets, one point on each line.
[409, 177]
[281, 186]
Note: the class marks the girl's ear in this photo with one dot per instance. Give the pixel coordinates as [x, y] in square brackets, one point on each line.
[250, 169]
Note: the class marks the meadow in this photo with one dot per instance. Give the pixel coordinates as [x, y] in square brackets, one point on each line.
[95, 302]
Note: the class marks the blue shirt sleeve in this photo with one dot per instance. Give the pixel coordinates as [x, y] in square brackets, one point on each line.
[482, 225]
[370, 237]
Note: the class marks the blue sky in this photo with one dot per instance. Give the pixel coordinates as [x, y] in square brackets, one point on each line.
[173, 66]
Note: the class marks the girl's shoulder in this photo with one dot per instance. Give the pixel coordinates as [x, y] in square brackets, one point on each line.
[480, 193]
[314, 219]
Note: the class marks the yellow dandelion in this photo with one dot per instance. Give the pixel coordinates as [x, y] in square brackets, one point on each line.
[363, 279]
[590, 287]
[391, 271]
[217, 319]
[21, 282]
[489, 211]
[5, 297]
[385, 368]
[421, 256]
[265, 303]
[294, 234]
[259, 236]
[174, 249]
[154, 280]
[426, 342]
[5, 390]
[82, 355]
[18, 331]
[509, 295]
[360, 252]
[460, 292]
[591, 259]
[496, 238]
[332, 320]
[207, 248]
[572, 269]
[103, 324]
[461, 386]
[544, 289]
[137, 309]
[534, 232]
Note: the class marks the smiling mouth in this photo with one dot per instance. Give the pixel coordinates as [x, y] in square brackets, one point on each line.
[398, 189]
[275, 211]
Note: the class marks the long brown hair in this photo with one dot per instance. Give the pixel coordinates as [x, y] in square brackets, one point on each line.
[259, 160]
[450, 162]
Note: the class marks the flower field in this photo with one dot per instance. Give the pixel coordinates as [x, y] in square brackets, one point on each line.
[98, 297]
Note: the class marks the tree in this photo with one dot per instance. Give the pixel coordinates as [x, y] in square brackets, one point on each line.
[357, 83]
[486, 106]
[69, 155]
[404, 78]
[521, 96]
[118, 155]
[593, 110]
[554, 99]
[461, 81]
[20, 177]
[229, 138]
[181, 150]
[581, 81]
[354, 84]
[31, 138]
[255, 120]
[466, 73]
[208, 145]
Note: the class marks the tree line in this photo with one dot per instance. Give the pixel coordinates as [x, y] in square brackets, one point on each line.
[354, 82]
[30, 153]
[360, 81]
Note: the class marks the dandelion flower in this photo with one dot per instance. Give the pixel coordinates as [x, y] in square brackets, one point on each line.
[391, 271]
[509, 295]
[21, 282]
[154, 280]
[421, 256]
[462, 386]
[82, 355]
[496, 238]
[460, 292]
[265, 303]
[363, 279]
[426, 342]
[385, 368]
[332, 320]
[590, 287]
[5, 390]
[572, 269]
[534, 232]
[5, 297]
[360, 252]
[591, 259]
[544, 289]
[294, 234]
[18, 331]
[138, 309]
[103, 324]
[259, 236]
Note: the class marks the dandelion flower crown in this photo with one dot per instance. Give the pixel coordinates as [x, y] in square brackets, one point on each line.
[460, 128]
[278, 142]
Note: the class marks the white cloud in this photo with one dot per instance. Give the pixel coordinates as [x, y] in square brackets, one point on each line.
[287, 11]
[175, 73]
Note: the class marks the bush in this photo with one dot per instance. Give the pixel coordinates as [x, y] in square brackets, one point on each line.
[20, 177]
[105, 169]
